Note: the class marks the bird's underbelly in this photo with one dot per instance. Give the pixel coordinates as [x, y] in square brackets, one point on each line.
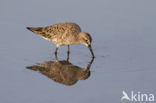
[63, 41]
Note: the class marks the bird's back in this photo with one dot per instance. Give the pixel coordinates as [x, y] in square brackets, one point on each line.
[56, 30]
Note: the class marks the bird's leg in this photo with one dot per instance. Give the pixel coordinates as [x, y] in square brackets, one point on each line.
[56, 53]
[68, 52]
[56, 50]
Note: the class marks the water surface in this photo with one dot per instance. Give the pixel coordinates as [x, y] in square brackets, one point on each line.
[123, 35]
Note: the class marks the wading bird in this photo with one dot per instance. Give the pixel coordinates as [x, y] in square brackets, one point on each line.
[64, 34]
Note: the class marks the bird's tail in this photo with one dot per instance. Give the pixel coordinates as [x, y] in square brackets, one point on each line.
[40, 31]
[37, 30]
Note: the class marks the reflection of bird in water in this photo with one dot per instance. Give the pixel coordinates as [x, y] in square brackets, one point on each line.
[64, 34]
[62, 71]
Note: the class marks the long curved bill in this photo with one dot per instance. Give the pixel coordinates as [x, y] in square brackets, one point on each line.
[90, 48]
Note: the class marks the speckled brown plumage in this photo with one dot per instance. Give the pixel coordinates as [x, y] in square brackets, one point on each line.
[57, 31]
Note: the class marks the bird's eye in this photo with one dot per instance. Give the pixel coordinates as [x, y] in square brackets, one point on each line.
[87, 40]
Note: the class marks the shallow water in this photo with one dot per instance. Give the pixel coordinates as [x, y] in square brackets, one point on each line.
[123, 35]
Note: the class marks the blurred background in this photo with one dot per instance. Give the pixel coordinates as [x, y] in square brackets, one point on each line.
[123, 32]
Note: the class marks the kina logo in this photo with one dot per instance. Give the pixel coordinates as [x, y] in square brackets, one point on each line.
[137, 97]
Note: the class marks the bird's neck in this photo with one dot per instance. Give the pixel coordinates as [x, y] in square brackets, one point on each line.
[77, 39]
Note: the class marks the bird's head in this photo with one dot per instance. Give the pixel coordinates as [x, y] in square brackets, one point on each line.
[86, 39]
